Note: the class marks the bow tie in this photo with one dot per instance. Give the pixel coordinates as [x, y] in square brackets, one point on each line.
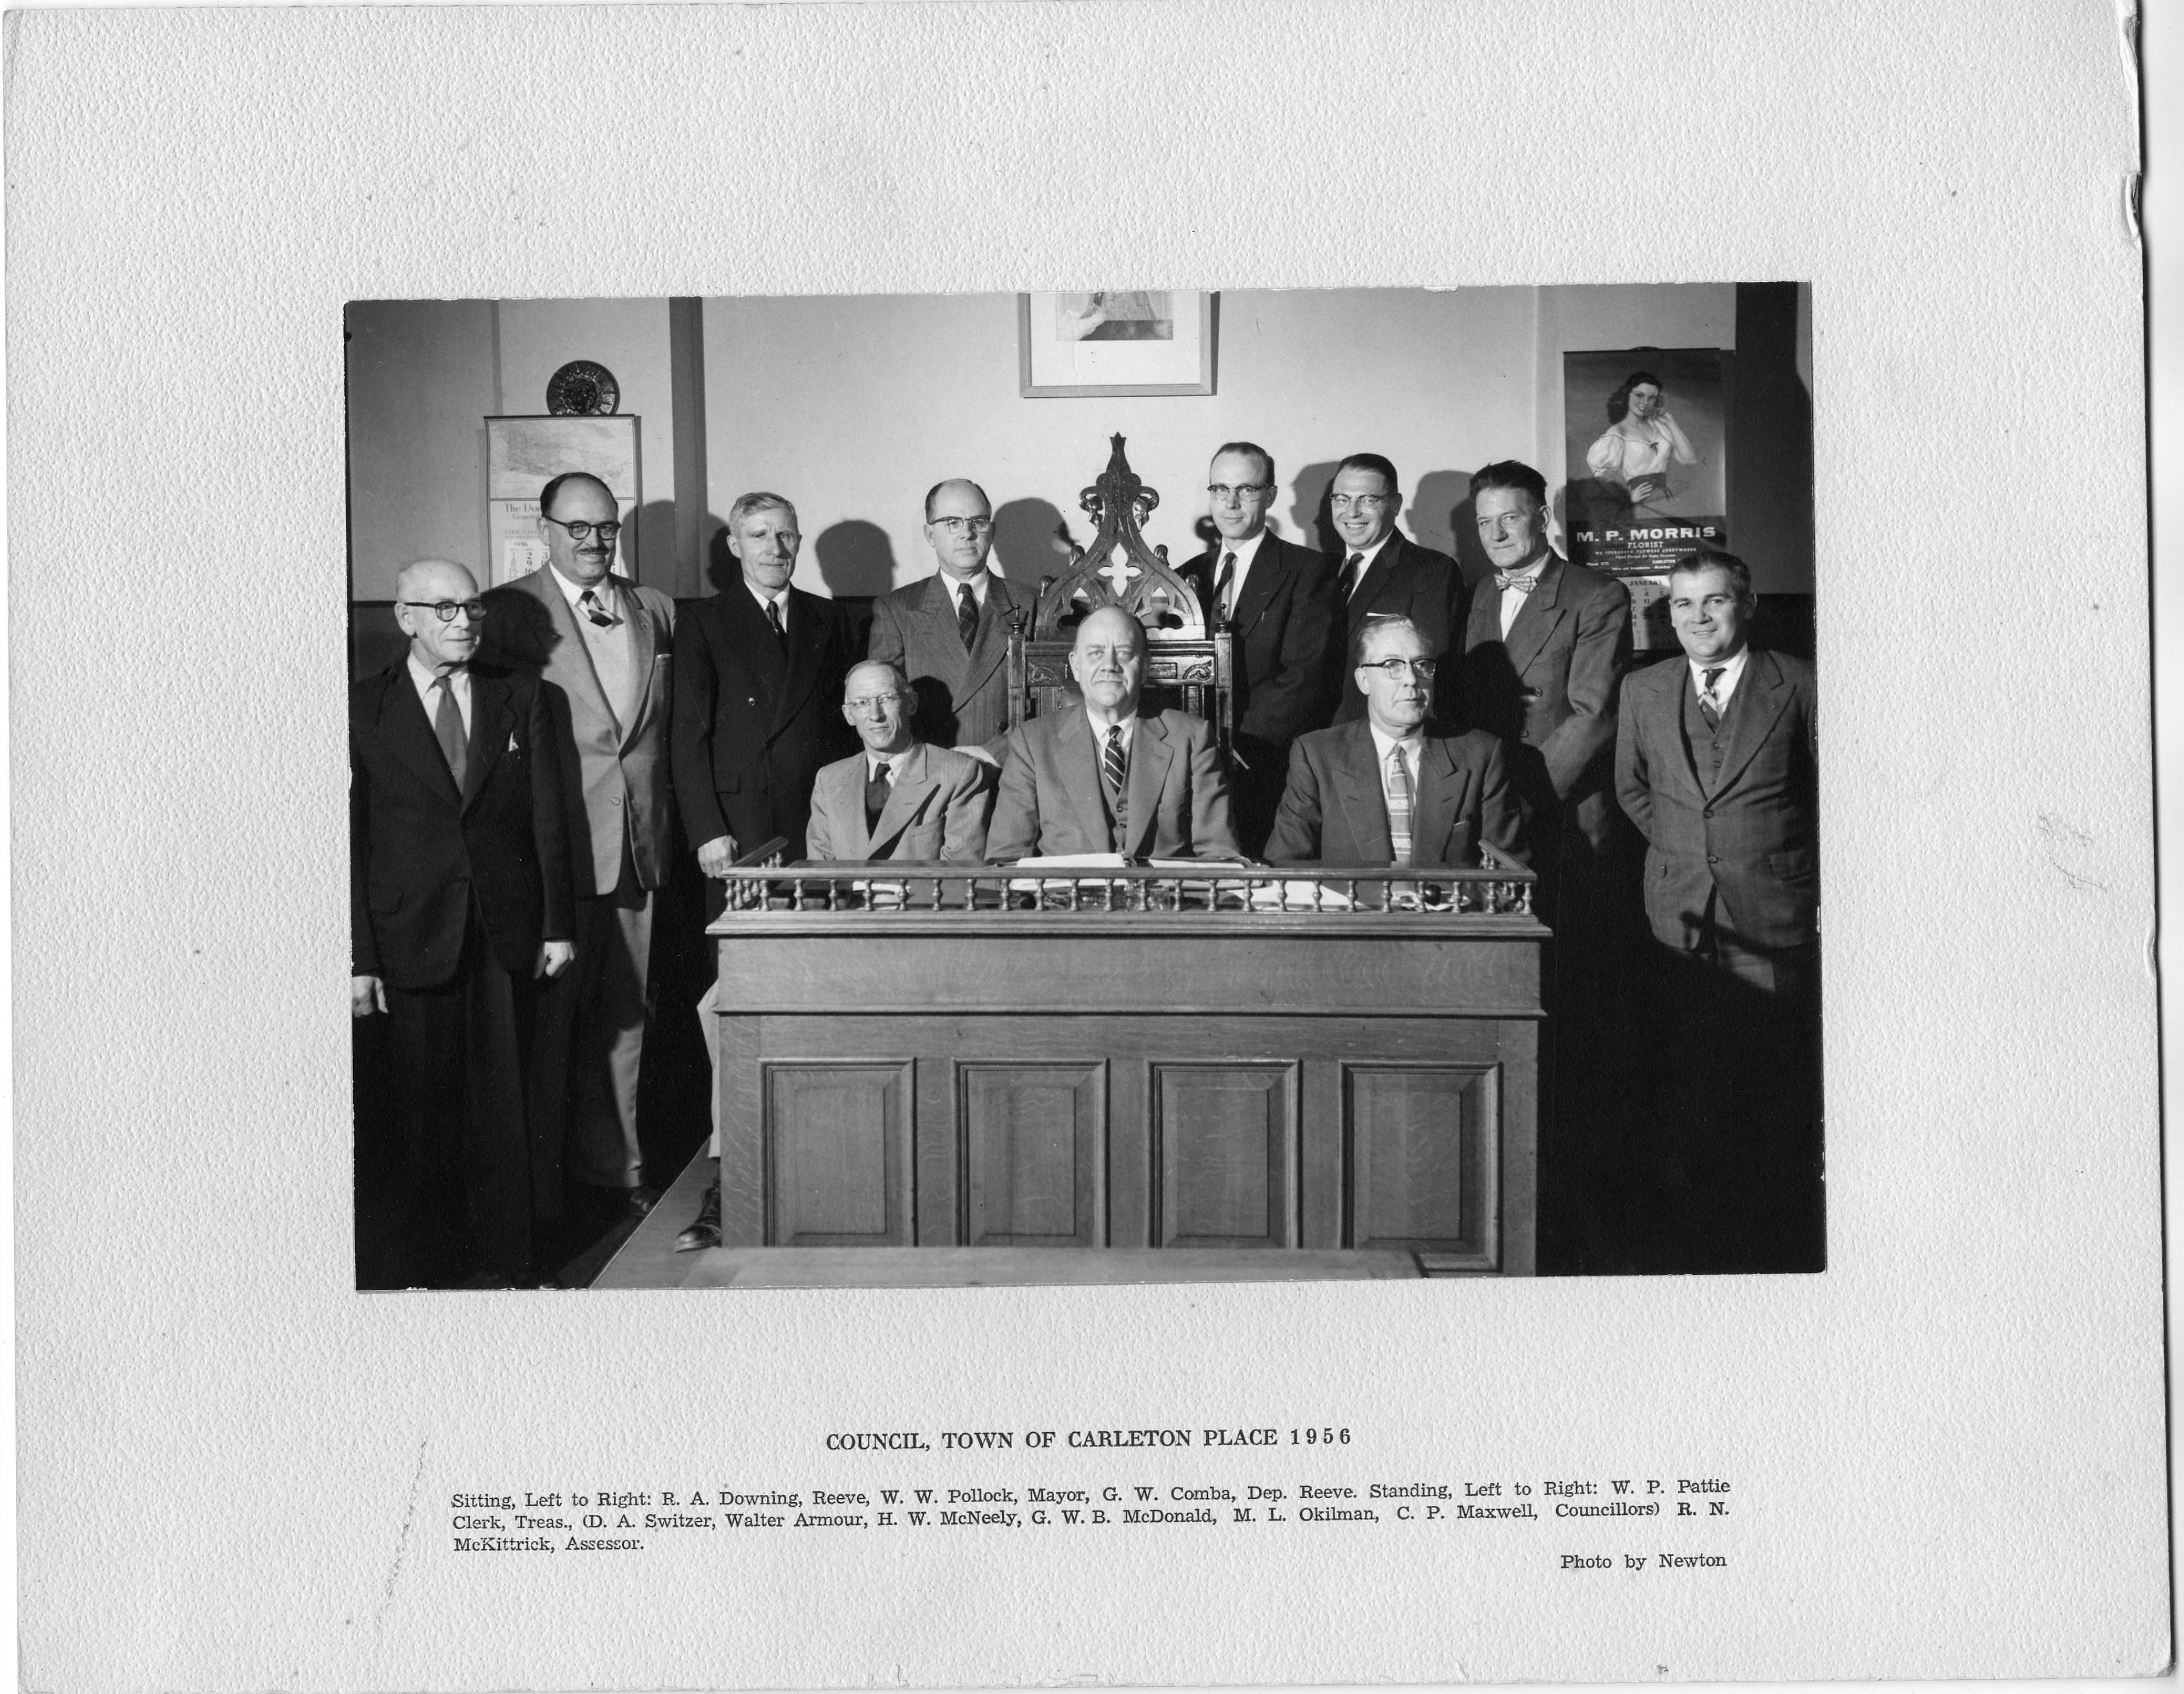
[1511, 579]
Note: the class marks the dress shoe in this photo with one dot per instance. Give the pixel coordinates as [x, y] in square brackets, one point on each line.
[638, 1202]
[706, 1231]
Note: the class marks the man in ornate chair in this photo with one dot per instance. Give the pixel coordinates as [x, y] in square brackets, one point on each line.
[1097, 778]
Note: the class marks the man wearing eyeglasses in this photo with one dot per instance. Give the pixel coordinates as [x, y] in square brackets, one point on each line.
[950, 631]
[1279, 601]
[1394, 787]
[1383, 573]
[460, 904]
[605, 643]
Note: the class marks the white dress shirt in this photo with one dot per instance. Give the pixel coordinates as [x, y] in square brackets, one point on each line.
[1413, 746]
[458, 685]
[979, 585]
[1731, 669]
[765, 599]
[1101, 723]
[1512, 601]
[1366, 556]
[893, 763]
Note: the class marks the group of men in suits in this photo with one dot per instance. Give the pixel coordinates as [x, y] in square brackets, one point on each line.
[1382, 713]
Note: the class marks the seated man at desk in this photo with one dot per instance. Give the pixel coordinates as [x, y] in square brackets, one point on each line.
[1097, 778]
[1392, 787]
[899, 798]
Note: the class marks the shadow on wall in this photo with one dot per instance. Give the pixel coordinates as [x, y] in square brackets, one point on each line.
[652, 528]
[1441, 518]
[856, 560]
[1031, 541]
[1312, 514]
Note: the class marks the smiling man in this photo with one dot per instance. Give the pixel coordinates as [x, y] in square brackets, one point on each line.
[901, 798]
[1383, 573]
[1100, 777]
[1396, 787]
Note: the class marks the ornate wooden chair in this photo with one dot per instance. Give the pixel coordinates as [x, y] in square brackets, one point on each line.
[1188, 664]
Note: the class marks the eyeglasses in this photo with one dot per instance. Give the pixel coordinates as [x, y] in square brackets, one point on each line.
[579, 532]
[964, 525]
[1395, 669]
[445, 610]
[1241, 493]
[1369, 502]
[873, 703]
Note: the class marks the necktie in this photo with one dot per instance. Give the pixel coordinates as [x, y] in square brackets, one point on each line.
[1222, 583]
[593, 610]
[1399, 806]
[448, 725]
[967, 614]
[1707, 708]
[875, 796]
[1352, 569]
[1113, 764]
[774, 617]
[1507, 580]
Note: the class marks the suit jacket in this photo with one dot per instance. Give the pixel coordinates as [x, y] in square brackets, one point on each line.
[614, 775]
[1550, 689]
[419, 850]
[962, 697]
[936, 810]
[1754, 836]
[1287, 628]
[1335, 811]
[1176, 793]
[754, 724]
[1409, 580]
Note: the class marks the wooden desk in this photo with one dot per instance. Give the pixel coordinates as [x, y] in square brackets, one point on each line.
[1129, 1062]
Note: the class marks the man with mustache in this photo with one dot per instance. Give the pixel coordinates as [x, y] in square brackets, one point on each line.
[605, 643]
[1097, 778]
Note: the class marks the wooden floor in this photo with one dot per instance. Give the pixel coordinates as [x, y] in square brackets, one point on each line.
[649, 1260]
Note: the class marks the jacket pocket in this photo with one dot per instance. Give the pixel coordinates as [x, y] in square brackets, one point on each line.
[384, 898]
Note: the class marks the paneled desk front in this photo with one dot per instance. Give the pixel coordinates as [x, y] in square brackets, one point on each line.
[1131, 1058]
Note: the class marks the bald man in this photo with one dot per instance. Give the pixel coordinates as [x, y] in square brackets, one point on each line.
[461, 903]
[1101, 777]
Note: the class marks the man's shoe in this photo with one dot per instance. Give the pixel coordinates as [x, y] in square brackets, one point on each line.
[706, 1231]
[638, 1202]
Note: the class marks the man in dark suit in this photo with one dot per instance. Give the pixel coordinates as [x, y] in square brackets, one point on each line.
[1386, 574]
[949, 633]
[606, 644]
[1099, 778]
[1394, 787]
[758, 696]
[1280, 602]
[460, 900]
[1716, 764]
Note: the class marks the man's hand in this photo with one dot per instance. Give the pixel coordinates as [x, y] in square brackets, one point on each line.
[715, 857]
[366, 994]
[553, 958]
[975, 751]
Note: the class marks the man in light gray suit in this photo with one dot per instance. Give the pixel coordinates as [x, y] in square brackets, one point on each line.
[605, 643]
[949, 633]
[899, 798]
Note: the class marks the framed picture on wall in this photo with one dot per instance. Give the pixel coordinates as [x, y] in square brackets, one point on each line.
[1115, 341]
[522, 454]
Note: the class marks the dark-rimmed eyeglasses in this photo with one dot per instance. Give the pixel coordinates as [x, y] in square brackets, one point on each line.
[580, 531]
[1241, 493]
[1395, 669]
[445, 610]
[964, 525]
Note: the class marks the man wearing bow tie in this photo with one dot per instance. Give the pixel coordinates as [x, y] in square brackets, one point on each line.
[604, 641]
[1280, 602]
[1382, 573]
[1544, 652]
[460, 916]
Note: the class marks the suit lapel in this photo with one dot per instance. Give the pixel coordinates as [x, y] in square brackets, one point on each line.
[1358, 791]
[1378, 576]
[1665, 713]
[1077, 751]
[1537, 618]
[811, 622]
[1441, 798]
[1149, 757]
[1759, 700]
[990, 646]
[1268, 567]
[492, 720]
[750, 638]
[411, 735]
[643, 649]
[905, 800]
[1484, 624]
[574, 672]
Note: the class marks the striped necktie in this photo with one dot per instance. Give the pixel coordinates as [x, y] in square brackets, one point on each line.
[1351, 571]
[1114, 765]
[966, 615]
[1222, 584]
[1710, 708]
[1398, 805]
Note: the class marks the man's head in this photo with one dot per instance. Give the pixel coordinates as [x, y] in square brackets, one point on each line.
[879, 702]
[419, 592]
[1109, 660]
[578, 501]
[1241, 481]
[1711, 603]
[1509, 500]
[1386, 657]
[1364, 498]
[959, 526]
[763, 535]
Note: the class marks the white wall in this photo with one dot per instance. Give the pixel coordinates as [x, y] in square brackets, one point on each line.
[853, 407]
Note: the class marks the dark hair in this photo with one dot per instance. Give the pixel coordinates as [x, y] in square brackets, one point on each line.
[1618, 403]
[935, 489]
[546, 494]
[1256, 451]
[1374, 462]
[1380, 623]
[1510, 473]
[1713, 558]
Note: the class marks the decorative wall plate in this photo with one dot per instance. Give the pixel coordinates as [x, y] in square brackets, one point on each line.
[581, 388]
